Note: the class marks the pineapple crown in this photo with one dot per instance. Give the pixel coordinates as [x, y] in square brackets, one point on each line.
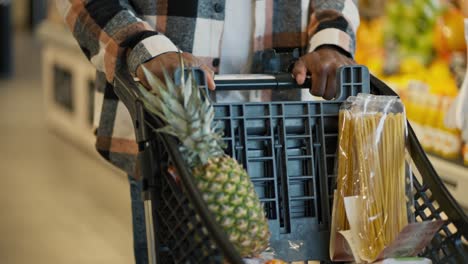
[187, 113]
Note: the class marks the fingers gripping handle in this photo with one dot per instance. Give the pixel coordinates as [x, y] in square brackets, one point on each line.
[351, 80]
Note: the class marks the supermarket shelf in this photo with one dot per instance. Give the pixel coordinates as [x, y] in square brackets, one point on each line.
[455, 176]
[58, 35]
[68, 86]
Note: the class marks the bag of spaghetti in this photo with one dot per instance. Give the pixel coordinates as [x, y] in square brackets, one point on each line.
[372, 215]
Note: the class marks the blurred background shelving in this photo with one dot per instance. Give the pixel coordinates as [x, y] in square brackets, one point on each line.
[59, 201]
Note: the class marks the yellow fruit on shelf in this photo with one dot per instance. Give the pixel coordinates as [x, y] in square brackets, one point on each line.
[375, 66]
[441, 80]
[411, 65]
[449, 33]
[369, 41]
[377, 26]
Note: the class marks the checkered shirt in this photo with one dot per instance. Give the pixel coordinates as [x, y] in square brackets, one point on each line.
[105, 30]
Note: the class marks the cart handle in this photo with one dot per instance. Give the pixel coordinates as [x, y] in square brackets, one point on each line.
[243, 82]
[348, 77]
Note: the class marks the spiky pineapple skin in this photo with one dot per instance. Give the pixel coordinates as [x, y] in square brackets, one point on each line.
[230, 195]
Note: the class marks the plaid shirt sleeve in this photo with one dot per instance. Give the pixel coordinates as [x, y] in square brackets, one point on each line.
[334, 23]
[105, 29]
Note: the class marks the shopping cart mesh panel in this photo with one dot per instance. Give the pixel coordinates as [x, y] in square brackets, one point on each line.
[447, 245]
[180, 234]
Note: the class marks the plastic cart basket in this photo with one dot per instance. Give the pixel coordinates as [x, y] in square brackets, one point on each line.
[289, 150]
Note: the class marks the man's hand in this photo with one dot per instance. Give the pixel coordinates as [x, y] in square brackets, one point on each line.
[321, 65]
[171, 61]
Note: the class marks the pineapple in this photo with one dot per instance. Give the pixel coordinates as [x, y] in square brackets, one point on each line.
[224, 184]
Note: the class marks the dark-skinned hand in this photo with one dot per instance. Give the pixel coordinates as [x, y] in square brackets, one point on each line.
[171, 61]
[321, 65]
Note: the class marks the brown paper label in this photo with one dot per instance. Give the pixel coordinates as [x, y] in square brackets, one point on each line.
[410, 241]
[339, 247]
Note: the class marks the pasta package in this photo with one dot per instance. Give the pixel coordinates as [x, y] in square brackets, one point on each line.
[372, 199]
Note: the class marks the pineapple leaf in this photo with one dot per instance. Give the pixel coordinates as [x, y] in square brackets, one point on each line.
[149, 99]
[187, 91]
[188, 115]
[172, 104]
[182, 68]
[178, 123]
[171, 86]
[153, 80]
[193, 104]
[167, 130]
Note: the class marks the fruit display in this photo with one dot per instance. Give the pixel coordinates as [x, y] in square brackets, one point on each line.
[224, 184]
[409, 24]
[418, 48]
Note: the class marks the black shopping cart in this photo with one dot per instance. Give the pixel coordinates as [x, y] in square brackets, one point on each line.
[289, 150]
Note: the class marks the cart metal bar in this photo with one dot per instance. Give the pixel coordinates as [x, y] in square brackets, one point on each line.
[150, 231]
[258, 82]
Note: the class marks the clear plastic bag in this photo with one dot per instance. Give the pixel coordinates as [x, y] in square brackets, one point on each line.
[345, 165]
[372, 168]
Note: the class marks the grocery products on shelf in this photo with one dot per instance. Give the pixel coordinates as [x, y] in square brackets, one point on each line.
[426, 114]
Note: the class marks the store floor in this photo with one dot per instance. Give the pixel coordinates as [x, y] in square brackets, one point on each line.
[57, 204]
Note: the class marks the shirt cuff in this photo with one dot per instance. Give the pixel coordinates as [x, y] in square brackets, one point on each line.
[331, 36]
[147, 49]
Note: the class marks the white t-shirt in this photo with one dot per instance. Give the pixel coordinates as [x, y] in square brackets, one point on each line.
[236, 46]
